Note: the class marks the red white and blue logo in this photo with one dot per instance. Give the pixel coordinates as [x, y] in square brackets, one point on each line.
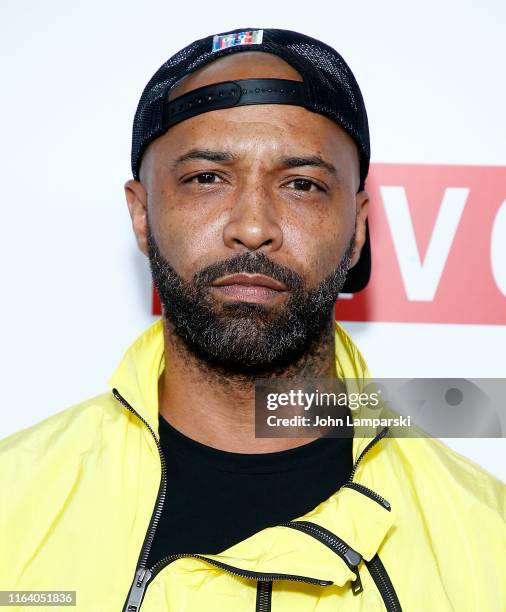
[234, 39]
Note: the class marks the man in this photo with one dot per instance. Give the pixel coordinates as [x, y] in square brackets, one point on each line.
[250, 152]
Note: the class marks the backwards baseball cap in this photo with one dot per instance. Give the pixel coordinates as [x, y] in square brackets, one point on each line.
[328, 88]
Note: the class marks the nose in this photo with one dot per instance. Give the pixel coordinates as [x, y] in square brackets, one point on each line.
[253, 222]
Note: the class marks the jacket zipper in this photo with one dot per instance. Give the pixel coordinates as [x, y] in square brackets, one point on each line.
[236, 571]
[384, 584]
[360, 487]
[264, 597]
[352, 559]
[143, 575]
[375, 566]
[350, 556]
[160, 498]
[372, 443]
[369, 493]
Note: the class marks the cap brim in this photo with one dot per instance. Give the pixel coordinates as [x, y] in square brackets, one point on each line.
[359, 275]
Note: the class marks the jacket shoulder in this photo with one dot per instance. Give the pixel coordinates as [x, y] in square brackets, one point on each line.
[441, 471]
[77, 422]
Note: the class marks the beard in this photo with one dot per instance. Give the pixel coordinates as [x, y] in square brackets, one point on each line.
[245, 338]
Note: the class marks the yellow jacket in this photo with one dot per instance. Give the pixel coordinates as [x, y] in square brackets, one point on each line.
[420, 527]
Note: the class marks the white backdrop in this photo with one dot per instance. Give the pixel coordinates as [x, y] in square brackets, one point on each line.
[75, 291]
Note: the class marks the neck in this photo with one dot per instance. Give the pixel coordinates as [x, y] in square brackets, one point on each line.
[217, 408]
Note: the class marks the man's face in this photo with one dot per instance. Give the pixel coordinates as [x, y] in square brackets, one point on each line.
[250, 219]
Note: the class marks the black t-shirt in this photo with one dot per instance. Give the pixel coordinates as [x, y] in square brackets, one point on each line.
[216, 498]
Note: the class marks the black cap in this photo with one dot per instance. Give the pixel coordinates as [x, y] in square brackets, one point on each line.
[328, 88]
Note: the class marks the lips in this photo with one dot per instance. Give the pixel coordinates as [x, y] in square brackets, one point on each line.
[254, 288]
[252, 280]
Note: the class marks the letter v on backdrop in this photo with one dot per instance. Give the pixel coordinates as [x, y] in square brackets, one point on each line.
[438, 237]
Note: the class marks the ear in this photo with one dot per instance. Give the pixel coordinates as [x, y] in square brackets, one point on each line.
[362, 208]
[136, 198]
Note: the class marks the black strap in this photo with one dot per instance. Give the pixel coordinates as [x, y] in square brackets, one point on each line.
[233, 93]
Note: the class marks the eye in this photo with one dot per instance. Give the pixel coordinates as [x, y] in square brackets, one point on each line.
[203, 178]
[301, 184]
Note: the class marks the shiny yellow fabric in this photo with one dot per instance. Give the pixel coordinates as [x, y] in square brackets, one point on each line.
[77, 492]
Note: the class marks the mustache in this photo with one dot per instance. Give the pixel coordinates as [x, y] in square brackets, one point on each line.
[251, 263]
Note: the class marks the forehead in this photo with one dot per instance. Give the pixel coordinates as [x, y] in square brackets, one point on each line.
[255, 136]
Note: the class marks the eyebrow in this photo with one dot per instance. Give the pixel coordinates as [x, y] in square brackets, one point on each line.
[207, 155]
[226, 156]
[313, 160]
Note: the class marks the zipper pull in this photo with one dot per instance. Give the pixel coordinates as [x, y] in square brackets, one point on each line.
[353, 558]
[142, 577]
[356, 585]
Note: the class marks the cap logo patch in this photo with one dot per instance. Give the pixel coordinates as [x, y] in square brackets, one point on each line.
[249, 37]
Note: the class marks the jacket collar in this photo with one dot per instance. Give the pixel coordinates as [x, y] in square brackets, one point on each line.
[358, 520]
[136, 377]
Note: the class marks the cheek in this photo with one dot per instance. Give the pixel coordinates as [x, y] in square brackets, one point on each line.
[319, 241]
[188, 236]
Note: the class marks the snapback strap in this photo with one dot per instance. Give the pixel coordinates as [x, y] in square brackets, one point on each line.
[232, 93]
